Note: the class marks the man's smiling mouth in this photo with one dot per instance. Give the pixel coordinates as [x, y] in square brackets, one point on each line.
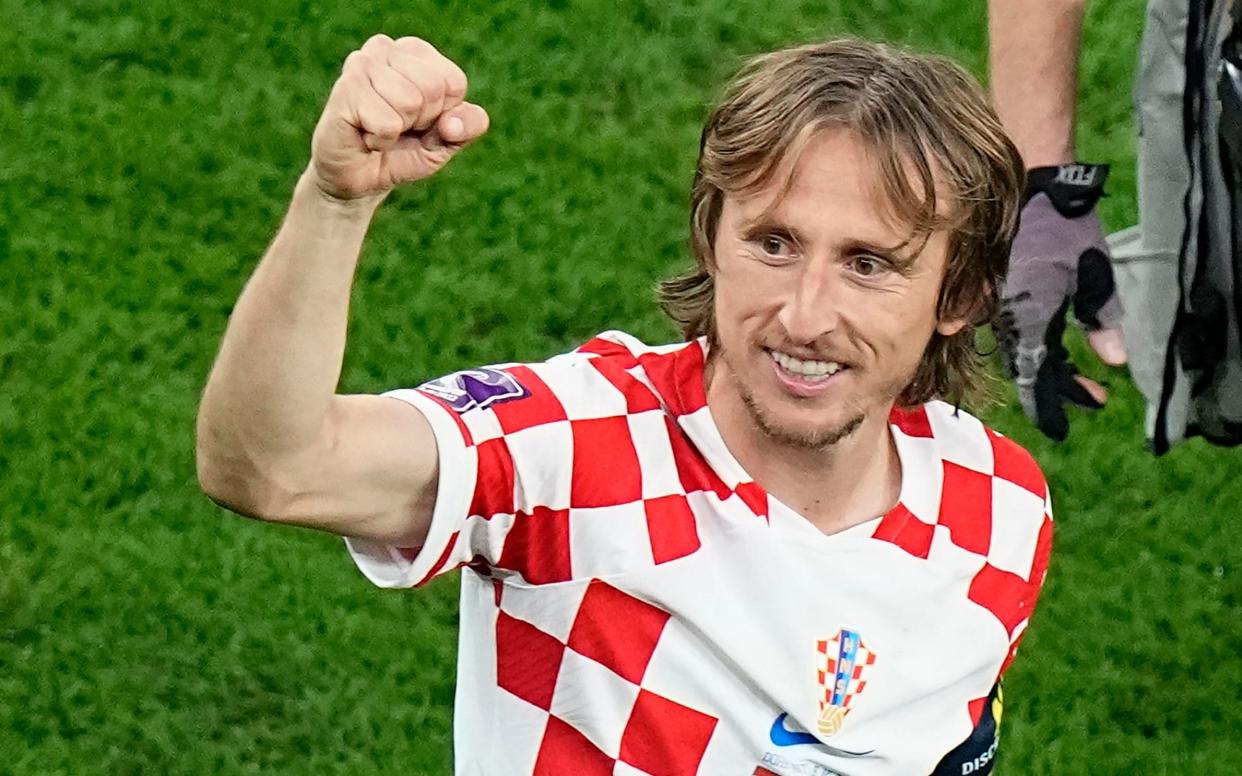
[805, 370]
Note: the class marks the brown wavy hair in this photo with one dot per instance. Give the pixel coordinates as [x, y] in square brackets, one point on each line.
[914, 113]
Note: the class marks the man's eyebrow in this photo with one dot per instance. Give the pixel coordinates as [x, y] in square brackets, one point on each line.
[765, 223]
[901, 255]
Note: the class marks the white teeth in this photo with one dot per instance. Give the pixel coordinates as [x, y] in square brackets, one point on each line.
[805, 368]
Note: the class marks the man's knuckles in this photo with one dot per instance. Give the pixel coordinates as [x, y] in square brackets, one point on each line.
[387, 103]
[434, 78]
[455, 82]
[380, 123]
[357, 62]
[375, 115]
[410, 44]
[406, 98]
[378, 45]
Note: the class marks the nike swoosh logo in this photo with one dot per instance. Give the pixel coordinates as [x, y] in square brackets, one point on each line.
[783, 736]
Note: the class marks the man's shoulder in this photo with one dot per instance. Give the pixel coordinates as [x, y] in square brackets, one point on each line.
[616, 373]
[982, 494]
[984, 488]
[962, 440]
[612, 375]
[628, 350]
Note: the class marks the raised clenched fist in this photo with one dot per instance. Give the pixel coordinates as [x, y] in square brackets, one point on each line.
[397, 113]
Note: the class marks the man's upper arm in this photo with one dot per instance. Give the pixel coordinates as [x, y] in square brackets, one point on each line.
[373, 477]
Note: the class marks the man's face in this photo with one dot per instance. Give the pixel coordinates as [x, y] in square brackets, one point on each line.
[820, 322]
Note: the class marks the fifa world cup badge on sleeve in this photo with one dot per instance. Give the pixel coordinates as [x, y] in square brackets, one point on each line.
[475, 388]
[842, 665]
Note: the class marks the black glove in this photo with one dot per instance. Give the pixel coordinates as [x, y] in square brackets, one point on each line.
[1059, 258]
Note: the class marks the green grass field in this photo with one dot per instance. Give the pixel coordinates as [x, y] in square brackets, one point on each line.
[148, 152]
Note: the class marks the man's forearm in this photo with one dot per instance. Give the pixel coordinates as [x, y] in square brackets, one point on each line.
[275, 378]
[1033, 51]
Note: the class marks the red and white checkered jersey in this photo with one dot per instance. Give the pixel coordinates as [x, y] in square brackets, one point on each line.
[634, 603]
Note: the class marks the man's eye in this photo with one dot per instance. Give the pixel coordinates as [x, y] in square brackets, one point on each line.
[868, 266]
[774, 245]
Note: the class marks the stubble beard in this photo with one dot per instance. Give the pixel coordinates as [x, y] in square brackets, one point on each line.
[809, 439]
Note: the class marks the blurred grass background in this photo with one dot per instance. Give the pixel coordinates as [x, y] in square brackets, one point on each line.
[148, 151]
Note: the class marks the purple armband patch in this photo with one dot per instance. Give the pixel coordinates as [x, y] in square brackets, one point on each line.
[473, 388]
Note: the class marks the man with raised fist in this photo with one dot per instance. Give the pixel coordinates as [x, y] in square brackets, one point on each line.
[770, 548]
[397, 114]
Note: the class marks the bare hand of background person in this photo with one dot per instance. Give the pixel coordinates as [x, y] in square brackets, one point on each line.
[397, 114]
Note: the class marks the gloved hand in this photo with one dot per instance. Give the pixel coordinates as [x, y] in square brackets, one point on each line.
[1059, 258]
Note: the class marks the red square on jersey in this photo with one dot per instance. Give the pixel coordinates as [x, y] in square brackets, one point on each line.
[1006, 595]
[754, 497]
[966, 507]
[528, 660]
[671, 526]
[493, 488]
[1016, 465]
[565, 751]
[615, 352]
[912, 421]
[665, 737]
[906, 531]
[638, 397]
[693, 470]
[678, 377]
[540, 407]
[605, 468]
[617, 630]
[537, 546]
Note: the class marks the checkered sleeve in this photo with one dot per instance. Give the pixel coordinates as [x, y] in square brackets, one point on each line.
[994, 525]
[1029, 593]
[528, 450]
[993, 520]
[1020, 545]
[505, 452]
[392, 566]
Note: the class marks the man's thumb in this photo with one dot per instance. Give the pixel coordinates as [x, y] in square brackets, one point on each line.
[462, 124]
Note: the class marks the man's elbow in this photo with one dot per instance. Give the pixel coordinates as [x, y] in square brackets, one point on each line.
[243, 488]
[225, 486]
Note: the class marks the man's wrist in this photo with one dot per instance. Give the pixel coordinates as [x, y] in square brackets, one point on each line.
[340, 222]
[350, 208]
[1074, 189]
[1045, 155]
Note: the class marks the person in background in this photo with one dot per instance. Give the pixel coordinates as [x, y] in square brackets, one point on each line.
[1060, 261]
[1179, 269]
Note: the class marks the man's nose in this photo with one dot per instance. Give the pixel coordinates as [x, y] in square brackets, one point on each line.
[811, 307]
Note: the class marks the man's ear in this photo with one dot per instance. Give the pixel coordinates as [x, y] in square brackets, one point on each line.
[955, 315]
[947, 327]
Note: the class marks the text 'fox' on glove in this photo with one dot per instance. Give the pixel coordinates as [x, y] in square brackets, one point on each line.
[1059, 259]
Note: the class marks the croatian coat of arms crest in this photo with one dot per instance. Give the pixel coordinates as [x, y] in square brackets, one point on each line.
[842, 664]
